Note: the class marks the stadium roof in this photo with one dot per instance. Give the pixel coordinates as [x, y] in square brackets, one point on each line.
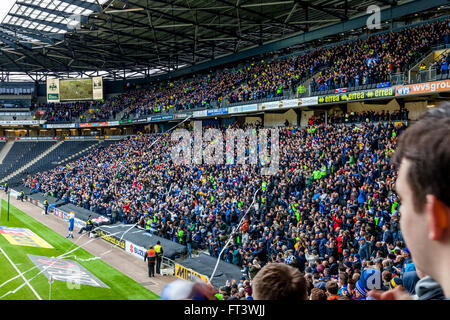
[120, 38]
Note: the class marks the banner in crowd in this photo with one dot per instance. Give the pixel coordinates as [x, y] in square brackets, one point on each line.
[309, 101]
[248, 108]
[270, 105]
[357, 95]
[188, 274]
[217, 112]
[291, 103]
[197, 114]
[427, 87]
[53, 90]
[242, 109]
[165, 117]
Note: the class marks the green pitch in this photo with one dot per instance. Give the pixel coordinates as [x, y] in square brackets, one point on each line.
[120, 286]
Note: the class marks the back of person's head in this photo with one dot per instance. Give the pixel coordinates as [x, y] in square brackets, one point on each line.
[278, 281]
[343, 278]
[317, 294]
[387, 276]
[332, 287]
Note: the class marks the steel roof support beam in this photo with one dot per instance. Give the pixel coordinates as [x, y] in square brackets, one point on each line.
[180, 19]
[56, 25]
[43, 9]
[262, 15]
[29, 35]
[85, 5]
[20, 29]
[331, 12]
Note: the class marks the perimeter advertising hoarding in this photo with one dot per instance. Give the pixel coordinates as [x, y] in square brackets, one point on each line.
[241, 109]
[93, 124]
[162, 118]
[60, 126]
[291, 103]
[357, 95]
[111, 239]
[53, 90]
[428, 87]
[197, 114]
[217, 112]
[180, 116]
[65, 216]
[270, 105]
[20, 122]
[309, 101]
[188, 274]
[135, 250]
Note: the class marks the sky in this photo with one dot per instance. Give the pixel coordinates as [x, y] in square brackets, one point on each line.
[5, 6]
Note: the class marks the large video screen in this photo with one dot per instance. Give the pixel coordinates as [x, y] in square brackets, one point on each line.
[79, 89]
[74, 89]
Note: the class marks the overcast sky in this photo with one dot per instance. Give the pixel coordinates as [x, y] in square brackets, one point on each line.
[5, 5]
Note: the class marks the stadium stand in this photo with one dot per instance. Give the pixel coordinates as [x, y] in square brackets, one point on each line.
[22, 153]
[345, 178]
[330, 209]
[373, 61]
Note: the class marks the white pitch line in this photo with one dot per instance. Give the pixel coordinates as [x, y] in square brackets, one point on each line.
[21, 274]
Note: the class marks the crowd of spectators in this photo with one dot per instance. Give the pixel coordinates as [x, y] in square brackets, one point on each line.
[65, 112]
[352, 63]
[375, 58]
[80, 111]
[441, 64]
[363, 61]
[330, 210]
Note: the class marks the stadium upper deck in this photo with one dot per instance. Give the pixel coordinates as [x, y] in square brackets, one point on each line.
[370, 61]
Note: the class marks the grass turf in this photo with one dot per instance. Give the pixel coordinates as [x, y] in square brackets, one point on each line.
[121, 287]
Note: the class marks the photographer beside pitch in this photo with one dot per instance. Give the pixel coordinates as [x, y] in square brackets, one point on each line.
[423, 158]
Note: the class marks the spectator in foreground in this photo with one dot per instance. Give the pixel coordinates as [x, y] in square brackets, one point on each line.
[423, 155]
[317, 294]
[278, 281]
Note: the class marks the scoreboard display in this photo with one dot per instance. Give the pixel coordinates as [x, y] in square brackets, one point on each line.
[78, 89]
[74, 89]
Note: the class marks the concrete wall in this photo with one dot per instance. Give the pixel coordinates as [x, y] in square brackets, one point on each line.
[278, 119]
[305, 118]
[416, 109]
[252, 120]
[361, 106]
